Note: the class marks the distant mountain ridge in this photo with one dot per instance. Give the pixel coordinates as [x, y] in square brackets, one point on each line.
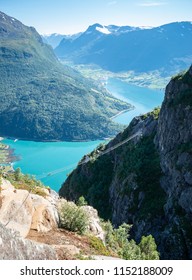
[55, 38]
[125, 48]
[41, 99]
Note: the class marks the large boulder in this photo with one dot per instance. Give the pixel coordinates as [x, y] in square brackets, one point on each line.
[94, 226]
[22, 211]
[45, 216]
[14, 247]
[16, 210]
[6, 185]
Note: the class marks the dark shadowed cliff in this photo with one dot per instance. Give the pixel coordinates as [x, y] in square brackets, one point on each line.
[147, 181]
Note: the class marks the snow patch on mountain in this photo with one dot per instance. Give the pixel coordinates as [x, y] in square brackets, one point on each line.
[103, 30]
[146, 27]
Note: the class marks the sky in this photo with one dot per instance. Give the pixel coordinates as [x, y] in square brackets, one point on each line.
[73, 16]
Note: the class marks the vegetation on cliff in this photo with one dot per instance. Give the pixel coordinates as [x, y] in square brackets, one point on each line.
[118, 241]
[133, 162]
[73, 217]
[3, 153]
[24, 181]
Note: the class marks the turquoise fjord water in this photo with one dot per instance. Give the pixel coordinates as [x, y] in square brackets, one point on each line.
[143, 99]
[49, 161]
[52, 161]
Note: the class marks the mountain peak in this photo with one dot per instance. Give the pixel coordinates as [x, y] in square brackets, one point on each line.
[93, 27]
[108, 29]
[6, 20]
[13, 28]
[169, 47]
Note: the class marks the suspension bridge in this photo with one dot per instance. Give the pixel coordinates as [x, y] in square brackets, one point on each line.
[87, 158]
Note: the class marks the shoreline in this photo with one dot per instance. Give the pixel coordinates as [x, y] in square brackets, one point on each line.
[7, 155]
[132, 107]
[122, 112]
[53, 140]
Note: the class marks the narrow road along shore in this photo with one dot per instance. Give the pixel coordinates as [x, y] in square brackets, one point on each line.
[122, 112]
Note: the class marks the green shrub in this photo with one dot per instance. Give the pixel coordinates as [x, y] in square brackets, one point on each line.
[117, 240]
[17, 174]
[26, 182]
[148, 248]
[72, 217]
[121, 234]
[81, 201]
[131, 251]
[154, 113]
[98, 246]
[109, 237]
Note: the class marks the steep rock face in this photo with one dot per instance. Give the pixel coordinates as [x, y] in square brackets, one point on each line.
[147, 182]
[120, 184]
[174, 137]
[174, 141]
[14, 247]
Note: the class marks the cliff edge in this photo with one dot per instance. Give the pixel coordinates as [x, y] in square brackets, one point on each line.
[147, 181]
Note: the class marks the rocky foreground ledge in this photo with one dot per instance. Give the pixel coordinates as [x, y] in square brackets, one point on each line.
[14, 247]
[29, 227]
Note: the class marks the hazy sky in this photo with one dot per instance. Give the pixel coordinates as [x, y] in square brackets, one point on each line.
[72, 16]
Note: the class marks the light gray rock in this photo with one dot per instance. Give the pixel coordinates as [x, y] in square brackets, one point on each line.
[45, 216]
[14, 247]
[94, 222]
[6, 185]
[16, 210]
[22, 211]
[71, 250]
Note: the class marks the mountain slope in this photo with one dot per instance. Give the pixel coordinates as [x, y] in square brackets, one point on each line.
[44, 100]
[165, 48]
[147, 181]
[54, 39]
[82, 45]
